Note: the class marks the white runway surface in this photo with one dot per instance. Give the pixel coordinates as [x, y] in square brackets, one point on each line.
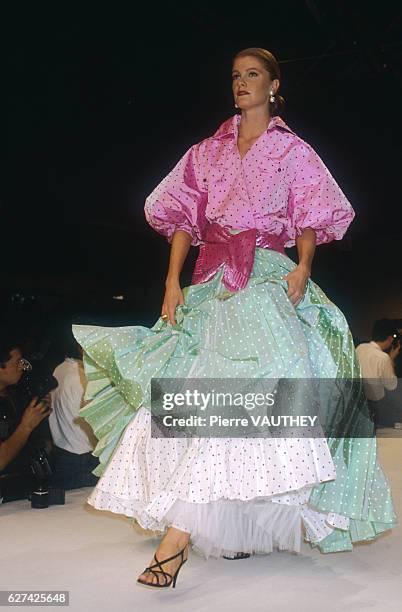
[97, 556]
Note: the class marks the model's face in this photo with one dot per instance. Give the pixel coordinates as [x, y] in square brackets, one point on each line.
[12, 371]
[251, 83]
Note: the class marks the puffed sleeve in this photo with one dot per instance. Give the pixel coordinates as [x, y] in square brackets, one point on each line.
[179, 201]
[316, 200]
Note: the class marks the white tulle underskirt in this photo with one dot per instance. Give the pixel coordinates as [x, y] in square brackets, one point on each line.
[224, 527]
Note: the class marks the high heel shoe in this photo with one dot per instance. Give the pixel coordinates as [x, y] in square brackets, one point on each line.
[166, 575]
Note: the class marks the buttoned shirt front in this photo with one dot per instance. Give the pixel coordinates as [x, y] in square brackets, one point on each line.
[280, 186]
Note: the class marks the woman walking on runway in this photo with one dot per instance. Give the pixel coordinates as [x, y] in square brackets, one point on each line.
[243, 195]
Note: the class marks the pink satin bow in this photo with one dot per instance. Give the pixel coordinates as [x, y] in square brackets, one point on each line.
[233, 251]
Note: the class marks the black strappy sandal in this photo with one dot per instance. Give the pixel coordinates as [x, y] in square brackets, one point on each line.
[160, 571]
[239, 555]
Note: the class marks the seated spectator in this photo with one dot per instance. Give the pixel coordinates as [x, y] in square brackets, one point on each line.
[74, 441]
[15, 430]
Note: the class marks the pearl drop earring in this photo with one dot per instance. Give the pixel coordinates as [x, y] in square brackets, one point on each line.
[272, 98]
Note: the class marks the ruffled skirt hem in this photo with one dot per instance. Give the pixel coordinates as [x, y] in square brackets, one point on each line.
[224, 527]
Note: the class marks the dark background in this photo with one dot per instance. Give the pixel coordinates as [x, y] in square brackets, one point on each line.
[102, 101]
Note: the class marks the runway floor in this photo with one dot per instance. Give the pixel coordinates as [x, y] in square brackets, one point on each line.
[97, 556]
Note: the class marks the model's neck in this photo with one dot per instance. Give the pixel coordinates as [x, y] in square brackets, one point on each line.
[254, 122]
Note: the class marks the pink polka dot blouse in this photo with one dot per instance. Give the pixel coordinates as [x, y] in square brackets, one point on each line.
[280, 186]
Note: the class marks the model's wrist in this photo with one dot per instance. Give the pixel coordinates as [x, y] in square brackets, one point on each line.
[172, 279]
[305, 266]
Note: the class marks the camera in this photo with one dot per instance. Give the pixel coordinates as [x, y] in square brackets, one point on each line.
[397, 339]
[42, 495]
[36, 384]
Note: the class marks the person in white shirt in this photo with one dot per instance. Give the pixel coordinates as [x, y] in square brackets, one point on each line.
[73, 438]
[377, 366]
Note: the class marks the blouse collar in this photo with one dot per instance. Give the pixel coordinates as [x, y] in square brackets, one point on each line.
[230, 126]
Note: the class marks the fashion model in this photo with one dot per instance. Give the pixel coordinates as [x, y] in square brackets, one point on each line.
[242, 195]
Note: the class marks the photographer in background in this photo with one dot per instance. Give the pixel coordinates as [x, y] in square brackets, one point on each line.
[378, 366]
[16, 429]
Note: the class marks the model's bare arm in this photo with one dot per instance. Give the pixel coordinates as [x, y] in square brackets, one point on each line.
[297, 279]
[173, 294]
